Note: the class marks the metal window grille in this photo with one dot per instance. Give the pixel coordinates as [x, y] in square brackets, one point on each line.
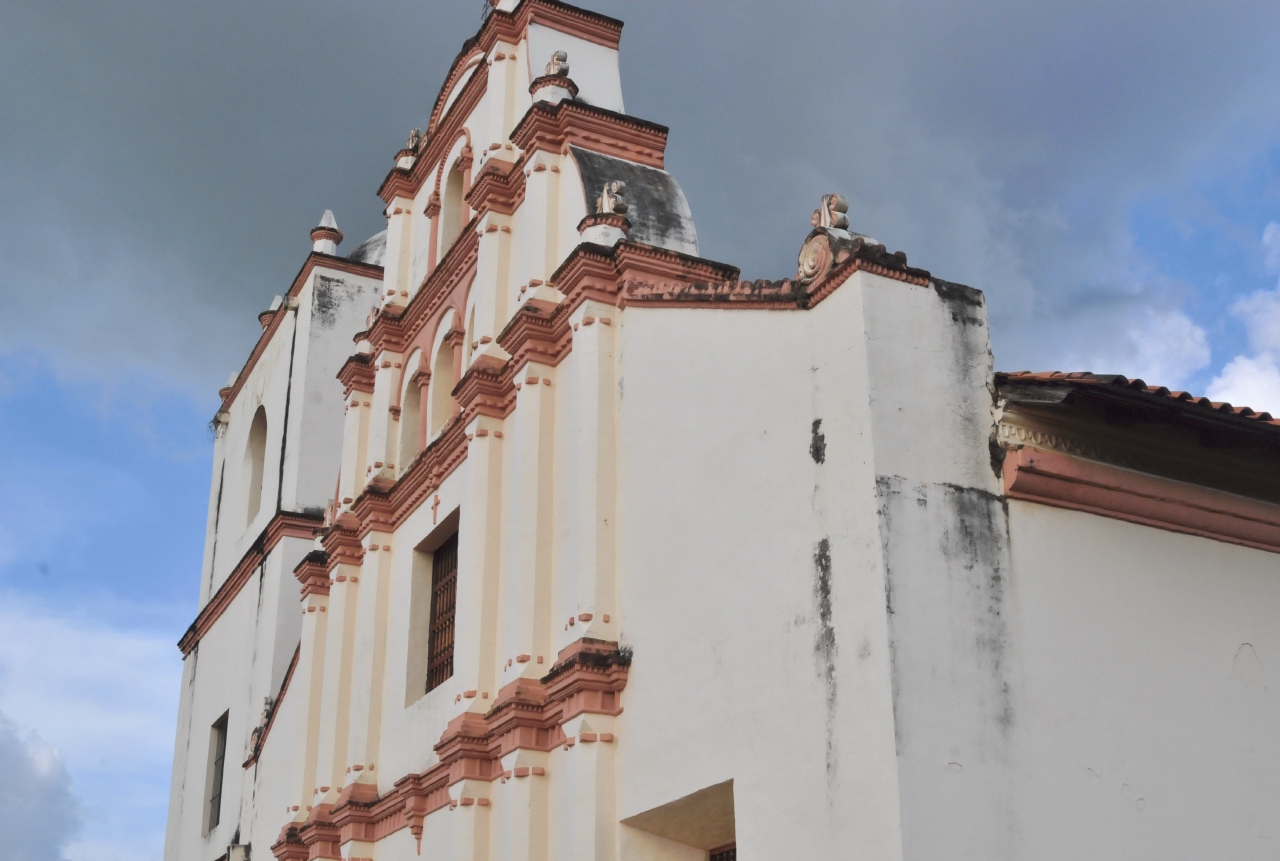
[219, 759]
[725, 853]
[444, 601]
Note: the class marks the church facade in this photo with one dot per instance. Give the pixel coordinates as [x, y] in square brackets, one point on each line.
[533, 534]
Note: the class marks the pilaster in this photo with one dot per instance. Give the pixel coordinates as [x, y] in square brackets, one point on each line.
[355, 447]
[522, 822]
[398, 265]
[586, 769]
[480, 544]
[368, 673]
[472, 812]
[383, 420]
[526, 600]
[587, 579]
[493, 274]
[308, 677]
[345, 554]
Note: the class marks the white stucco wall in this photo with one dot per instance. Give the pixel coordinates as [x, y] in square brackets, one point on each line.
[752, 662]
[241, 660]
[593, 67]
[1146, 712]
[334, 306]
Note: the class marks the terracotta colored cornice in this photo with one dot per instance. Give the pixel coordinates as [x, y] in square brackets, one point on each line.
[510, 27]
[654, 277]
[533, 335]
[1064, 481]
[454, 271]
[406, 183]
[498, 187]
[341, 542]
[314, 260]
[588, 678]
[382, 509]
[357, 374]
[386, 331]
[556, 127]
[313, 573]
[314, 839]
[484, 392]
[286, 524]
[260, 739]
[398, 183]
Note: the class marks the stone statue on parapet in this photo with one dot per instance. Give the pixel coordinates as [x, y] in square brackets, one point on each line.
[612, 200]
[831, 243]
[559, 65]
[832, 212]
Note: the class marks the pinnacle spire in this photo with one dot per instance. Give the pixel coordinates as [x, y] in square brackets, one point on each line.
[325, 236]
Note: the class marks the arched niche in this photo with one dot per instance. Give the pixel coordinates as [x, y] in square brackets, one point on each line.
[255, 458]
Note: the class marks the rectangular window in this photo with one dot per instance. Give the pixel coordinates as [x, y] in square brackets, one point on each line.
[217, 758]
[444, 601]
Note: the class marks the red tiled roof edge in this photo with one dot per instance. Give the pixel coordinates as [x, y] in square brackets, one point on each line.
[1116, 381]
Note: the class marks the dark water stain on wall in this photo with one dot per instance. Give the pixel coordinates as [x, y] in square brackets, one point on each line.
[977, 539]
[818, 443]
[329, 295]
[824, 646]
[946, 565]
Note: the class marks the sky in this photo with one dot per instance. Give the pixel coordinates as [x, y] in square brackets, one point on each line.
[1107, 173]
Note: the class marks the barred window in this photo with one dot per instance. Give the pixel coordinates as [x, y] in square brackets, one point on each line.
[725, 853]
[444, 600]
[213, 784]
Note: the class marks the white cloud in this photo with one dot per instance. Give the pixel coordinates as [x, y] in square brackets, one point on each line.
[107, 700]
[1167, 348]
[1260, 313]
[1254, 380]
[1271, 246]
[38, 809]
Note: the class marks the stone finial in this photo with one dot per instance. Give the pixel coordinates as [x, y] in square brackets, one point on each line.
[326, 237]
[554, 85]
[831, 243]
[608, 225]
[406, 156]
[612, 199]
[559, 65]
[832, 212]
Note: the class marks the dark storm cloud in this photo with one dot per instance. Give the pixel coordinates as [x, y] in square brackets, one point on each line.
[164, 161]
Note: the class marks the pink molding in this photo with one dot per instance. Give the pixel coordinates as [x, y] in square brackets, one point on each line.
[285, 524]
[261, 740]
[1064, 481]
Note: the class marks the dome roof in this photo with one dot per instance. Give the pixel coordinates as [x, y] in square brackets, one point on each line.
[373, 250]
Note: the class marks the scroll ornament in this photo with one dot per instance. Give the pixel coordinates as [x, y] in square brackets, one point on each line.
[830, 243]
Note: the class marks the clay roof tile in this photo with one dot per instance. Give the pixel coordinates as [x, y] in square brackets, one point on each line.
[1086, 378]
